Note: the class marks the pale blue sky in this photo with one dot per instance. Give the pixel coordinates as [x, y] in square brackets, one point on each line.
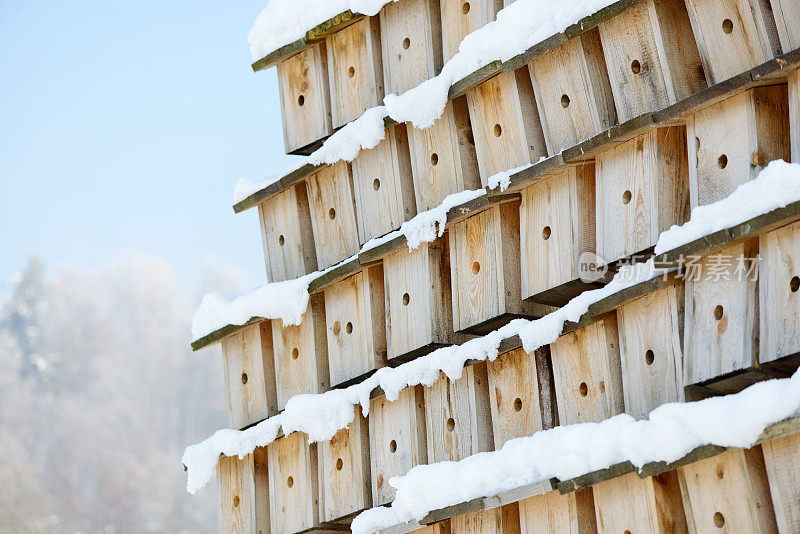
[124, 126]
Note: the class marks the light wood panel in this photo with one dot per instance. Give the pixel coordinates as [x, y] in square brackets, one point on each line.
[293, 489]
[503, 520]
[556, 513]
[794, 114]
[237, 488]
[779, 298]
[462, 17]
[333, 214]
[782, 459]
[787, 20]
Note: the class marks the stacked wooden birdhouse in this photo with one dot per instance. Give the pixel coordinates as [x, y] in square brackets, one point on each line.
[613, 129]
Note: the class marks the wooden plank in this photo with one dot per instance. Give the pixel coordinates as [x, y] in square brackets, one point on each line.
[443, 158]
[732, 35]
[573, 94]
[571, 513]
[553, 239]
[383, 186]
[248, 364]
[333, 214]
[276, 187]
[355, 70]
[728, 489]
[652, 372]
[794, 114]
[458, 419]
[632, 504]
[787, 22]
[782, 459]
[587, 373]
[411, 43]
[305, 97]
[344, 471]
[335, 274]
[721, 333]
[460, 18]
[642, 190]
[518, 384]
[397, 439]
[503, 520]
[237, 495]
[355, 325]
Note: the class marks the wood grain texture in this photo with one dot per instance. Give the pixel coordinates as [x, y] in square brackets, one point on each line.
[293, 489]
[383, 186]
[397, 439]
[779, 300]
[732, 35]
[411, 43]
[261, 480]
[557, 224]
[503, 520]
[333, 214]
[237, 495]
[355, 322]
[301, 353]
[794, 114]
[721, 333]
[587, 373]
[286, 235]
[557, 513]
[485, 266]
[458, 421]
[418, 302]
[725, 138]
[630, 503]
[344, 470]
[517, 383]
[505, 123]
[642, 190]
[356, 70]
[652, 372]
[305, 97]
[787, 21]
[443, 159]
[462, 17]
[249, 367]
[782, 459]
[643, 76]
[573, 93]
[729, 491]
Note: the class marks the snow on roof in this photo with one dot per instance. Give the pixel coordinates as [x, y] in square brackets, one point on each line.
[320, 416]
[670, 432]
[285, 21]
[246, 187]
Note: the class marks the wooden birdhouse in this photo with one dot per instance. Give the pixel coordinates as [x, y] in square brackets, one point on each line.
[721, 335]
[397, 439]
[305, 98]
[642, 190]
[355, 69]
[383, 186]
[652, 370]
[485, 269]
[244, 493]
[787, 21]
[502, 520]
[651, 57]
[418, 305]
[458, 421]
[505, 123]
[411, 43]
[782, 459]
[632, 504]
[732, 141]
[249, 365]
[571, 513]
[295, 499]
[462, 17]
[442, 527]
[333, 214]
[779, 298]
[443, 157]
[573, 94]
[728, 492]
[557, 225]
[521, 394]
[733, 36]
[587, 374]
[356, 325]
[301, 353]
[286, 234]
[344, 477]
